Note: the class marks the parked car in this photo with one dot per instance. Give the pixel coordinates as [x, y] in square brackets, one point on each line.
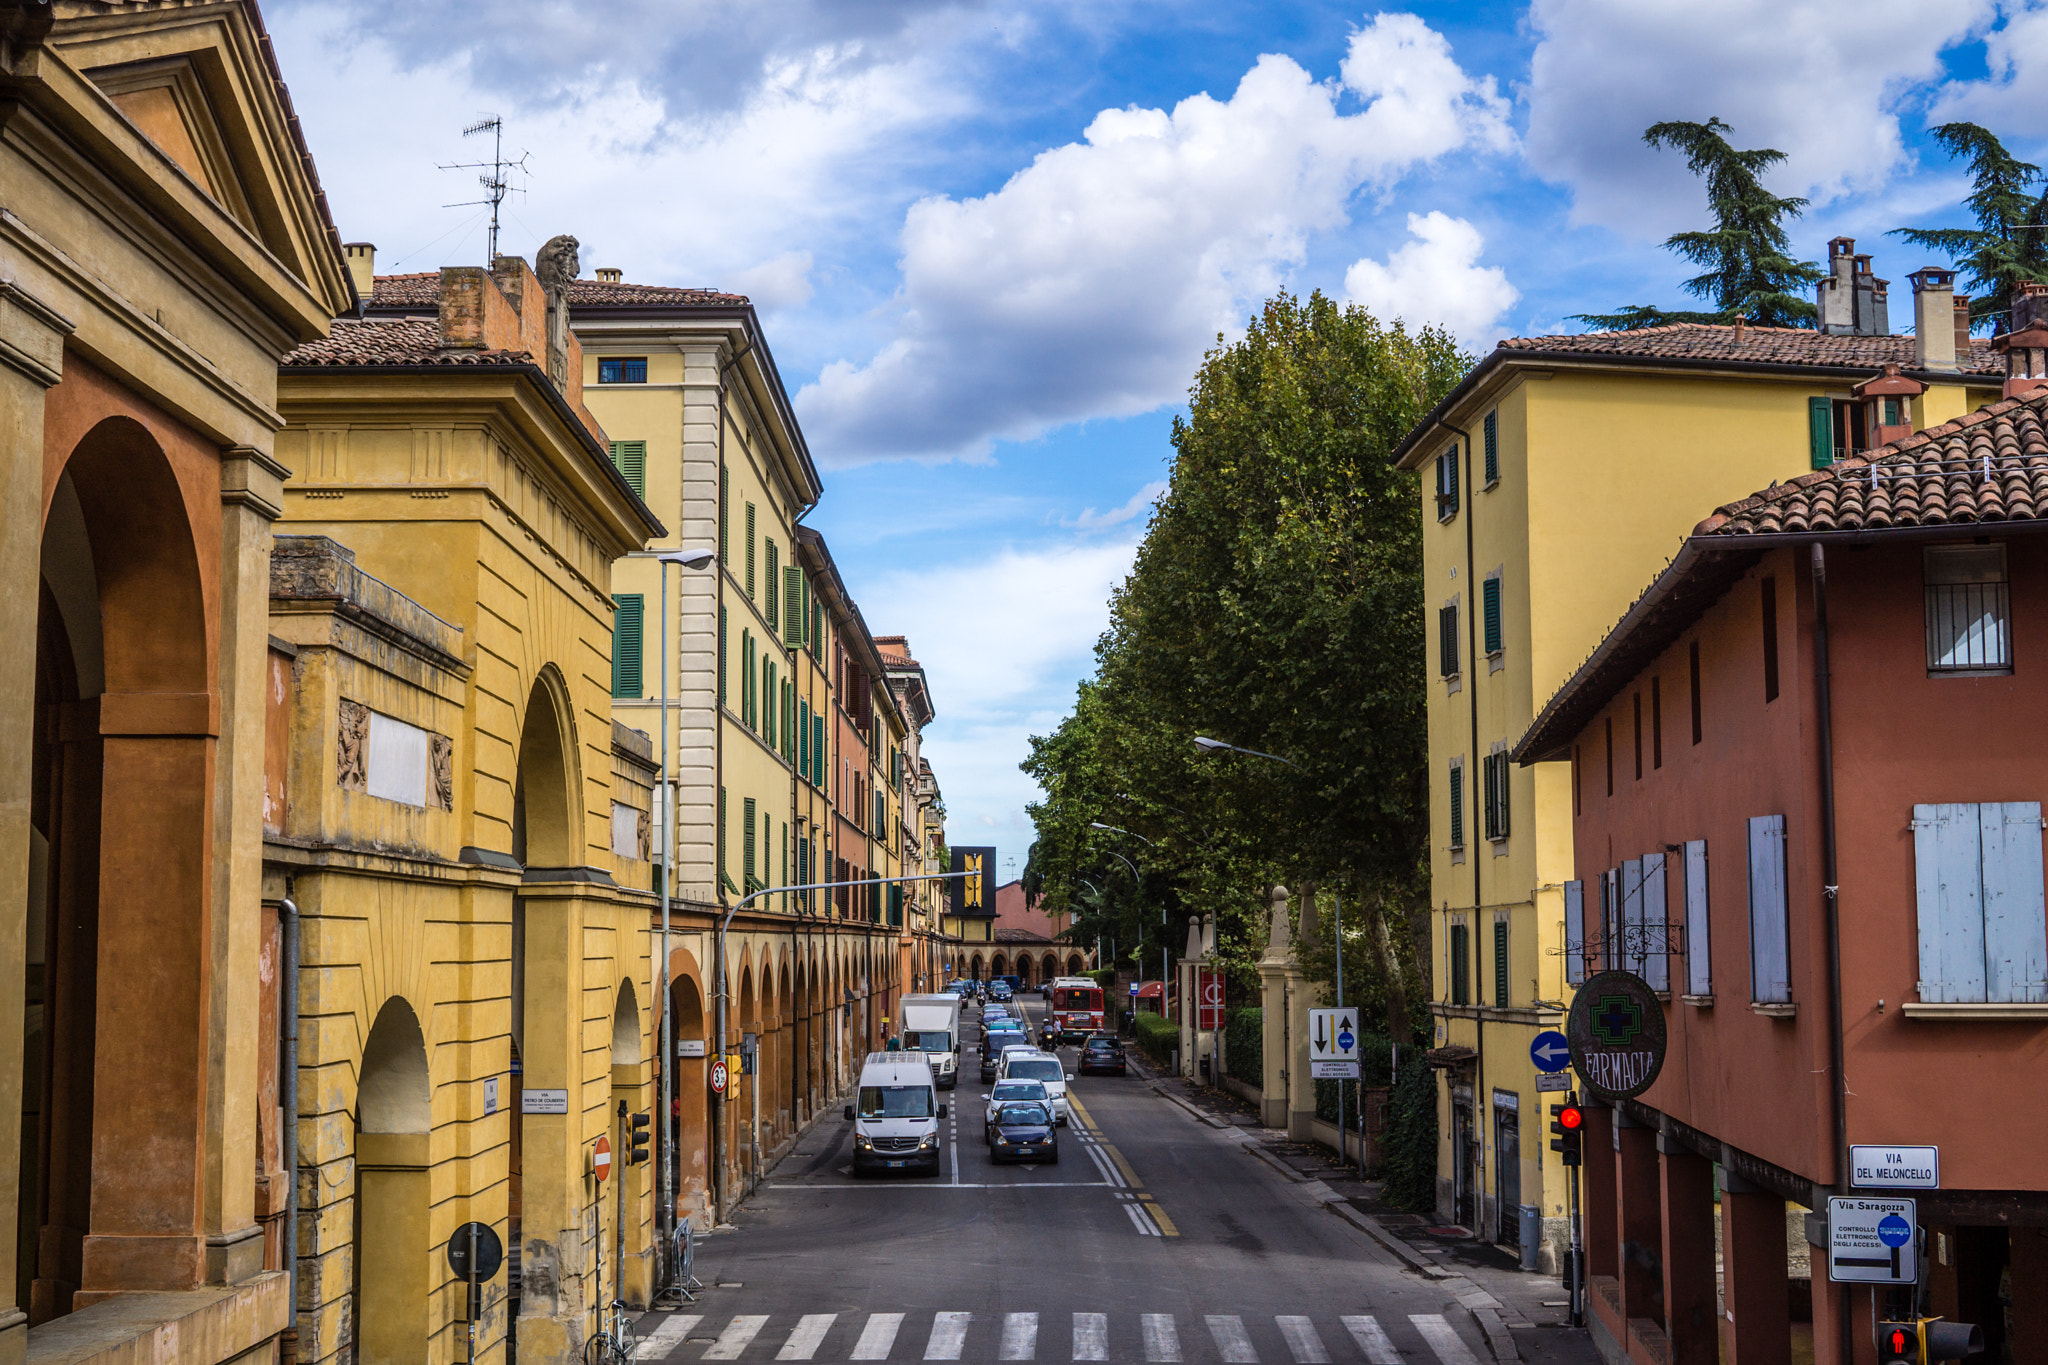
[1102, 1052]
[1000, 989]
[1023, 1130]
[1007, 1091]
[1034, 1065]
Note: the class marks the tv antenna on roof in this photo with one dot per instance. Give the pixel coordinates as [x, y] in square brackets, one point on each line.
[496, 178]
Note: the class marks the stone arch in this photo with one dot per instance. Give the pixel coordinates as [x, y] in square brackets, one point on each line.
[394, 1114]
[1050, 969]
[690, 1106]
[547, 831]
[1074, 964]
[999, 965]
[977, 967]
[626, 1033]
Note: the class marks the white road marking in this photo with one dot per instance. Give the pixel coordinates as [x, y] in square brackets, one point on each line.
[1450, 1348]
[1020, 1337]
[1303, 1341]
[1366, 1331]
[1091, 1336]
[657, 1344]
[877, 1337]
[806, 1336]
[949, 1334]
[1232, 1343]
[737, 1336]
[1162, 1339]
[1138, 1220]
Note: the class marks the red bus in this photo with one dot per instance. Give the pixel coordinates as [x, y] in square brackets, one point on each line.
[1076, 1006]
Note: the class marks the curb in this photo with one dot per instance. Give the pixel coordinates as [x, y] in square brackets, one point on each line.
[1498, 1337]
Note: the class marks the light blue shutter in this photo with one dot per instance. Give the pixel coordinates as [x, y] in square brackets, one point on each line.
[1575, 932]
[1770, 951]
[1610, 919]
[1657, 964]
[2015, 936]
[1632, 915]
[1948, 873]
[1699, 958]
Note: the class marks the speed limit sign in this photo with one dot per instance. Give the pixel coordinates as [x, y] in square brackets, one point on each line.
[718, 1077]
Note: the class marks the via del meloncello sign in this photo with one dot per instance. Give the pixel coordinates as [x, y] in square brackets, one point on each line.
[1616, 1032]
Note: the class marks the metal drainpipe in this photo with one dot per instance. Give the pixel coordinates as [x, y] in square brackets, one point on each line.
[288, 1101]
[1830, 889]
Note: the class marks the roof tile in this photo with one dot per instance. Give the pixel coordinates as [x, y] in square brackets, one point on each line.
[1763, 345]
[397, 293]
[393, 341]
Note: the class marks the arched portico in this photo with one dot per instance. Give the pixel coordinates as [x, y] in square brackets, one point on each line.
[394, 1115]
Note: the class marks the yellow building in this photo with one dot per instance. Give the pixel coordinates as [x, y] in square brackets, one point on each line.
[1556, 479]
[460, 824]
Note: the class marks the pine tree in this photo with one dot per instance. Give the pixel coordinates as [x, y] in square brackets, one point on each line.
[1748, 267]
[2009, 244]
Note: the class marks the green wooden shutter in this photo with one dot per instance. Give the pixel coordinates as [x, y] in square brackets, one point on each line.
[723, 694]
[1493, 447]
[1820, 427]
[626, 635]
[1460, 965]
[818, 751]
[792, 606]
[749, 846]
[810, 630]
[774, 602]
[631, 459]
[803, 737]
[1500, 962]
[750, 550]
[1457, 805]
[1490, 602]
[721, 834]
[724, 516]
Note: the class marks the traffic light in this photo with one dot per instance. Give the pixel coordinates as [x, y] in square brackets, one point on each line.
[1927, 1341]
[636, 1141]
[1568, 1132]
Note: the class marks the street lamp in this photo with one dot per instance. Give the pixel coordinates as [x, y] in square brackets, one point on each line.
[1211, 746]
[689, 559]
[1097, 824]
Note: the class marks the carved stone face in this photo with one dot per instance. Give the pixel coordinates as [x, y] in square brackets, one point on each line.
[556, 263]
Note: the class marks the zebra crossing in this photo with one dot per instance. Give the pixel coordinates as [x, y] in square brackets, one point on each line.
[1157, 1338]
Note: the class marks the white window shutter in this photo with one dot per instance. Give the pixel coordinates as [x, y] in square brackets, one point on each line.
[1948, 874]
[2015, 935]
[1574, 932]
[1657, 965]
[1770, 968]
[1699, 957]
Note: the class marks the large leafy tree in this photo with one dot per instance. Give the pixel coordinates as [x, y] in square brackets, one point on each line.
[1276, 603]
[1747, 266]
[2009, 245]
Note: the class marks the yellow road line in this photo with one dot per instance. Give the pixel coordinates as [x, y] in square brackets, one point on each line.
[1166, 1227]
[1081, 1113]
[1130, 1176]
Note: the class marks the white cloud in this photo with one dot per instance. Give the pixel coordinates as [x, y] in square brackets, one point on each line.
[2013, 99]
[1002, 641]
[783, 282]
[1090, 284]
[1819, 82]
[1139, 505]
[1435, 277]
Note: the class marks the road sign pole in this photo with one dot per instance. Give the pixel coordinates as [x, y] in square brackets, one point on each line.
[475, 1294]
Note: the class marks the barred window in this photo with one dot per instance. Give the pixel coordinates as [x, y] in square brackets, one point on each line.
[1968, 610]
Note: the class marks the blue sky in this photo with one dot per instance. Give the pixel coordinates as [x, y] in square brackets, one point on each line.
[991, 239]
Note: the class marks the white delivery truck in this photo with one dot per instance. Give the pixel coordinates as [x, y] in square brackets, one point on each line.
[931, 1025]
[895, 1115]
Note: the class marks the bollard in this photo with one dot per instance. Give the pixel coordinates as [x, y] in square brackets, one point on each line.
[1532, 1233]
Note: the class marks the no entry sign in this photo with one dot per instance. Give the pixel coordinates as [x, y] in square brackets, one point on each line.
[1616, 1032]
[601, 1159]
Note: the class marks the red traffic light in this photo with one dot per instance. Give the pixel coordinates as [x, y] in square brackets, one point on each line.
[1571, 1118]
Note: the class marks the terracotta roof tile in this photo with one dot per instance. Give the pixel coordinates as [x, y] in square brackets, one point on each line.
[1760, 345]
[396, 293]
[393, 341]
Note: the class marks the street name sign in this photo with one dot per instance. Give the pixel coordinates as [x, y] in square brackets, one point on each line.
[1333, 1044]
[1550, 1051]
[1616, 1032]
[1553, 1080]
[1881, 1167]
[691, 1047]
[543, 1101]
[1870, 1241]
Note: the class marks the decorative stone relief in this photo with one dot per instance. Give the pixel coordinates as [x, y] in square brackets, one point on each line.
[441, 771]
[352, 747]
[646, 837]
[556, 265]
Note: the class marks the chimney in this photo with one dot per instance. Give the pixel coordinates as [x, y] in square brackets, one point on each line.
[1835, 297]
[362, 266]
[609, 275]
[1873, 314]
[1962, 312]
[1934, 329]
[2026, 345]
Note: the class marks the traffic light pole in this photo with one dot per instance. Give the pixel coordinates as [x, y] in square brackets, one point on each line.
[1577, 1287]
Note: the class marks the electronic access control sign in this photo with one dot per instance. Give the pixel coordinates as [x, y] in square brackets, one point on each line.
[972, 895]
[1871, 1241]
[1616, 1034]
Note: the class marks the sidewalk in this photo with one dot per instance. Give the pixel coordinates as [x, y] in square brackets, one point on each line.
[1523, 1315]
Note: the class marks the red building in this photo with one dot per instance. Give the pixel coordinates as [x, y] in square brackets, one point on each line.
[1812, 753]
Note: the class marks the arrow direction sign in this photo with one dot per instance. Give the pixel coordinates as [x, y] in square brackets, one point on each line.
[1550, 1051]
[1333, 1046]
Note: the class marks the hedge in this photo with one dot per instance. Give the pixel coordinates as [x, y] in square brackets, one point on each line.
[1158, 1036]
[1244, 1045]
[1410, 1146]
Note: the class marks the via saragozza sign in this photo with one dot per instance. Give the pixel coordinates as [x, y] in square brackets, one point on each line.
[1616, 1032]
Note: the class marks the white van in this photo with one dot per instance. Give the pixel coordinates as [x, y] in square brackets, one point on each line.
[1020, 1065]
[896, 1114]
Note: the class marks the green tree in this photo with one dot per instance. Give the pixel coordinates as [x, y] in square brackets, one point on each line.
[2009, 245]
[1747, 266]
[1276, 603]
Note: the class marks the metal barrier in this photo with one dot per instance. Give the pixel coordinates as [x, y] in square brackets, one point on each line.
[683, 1286]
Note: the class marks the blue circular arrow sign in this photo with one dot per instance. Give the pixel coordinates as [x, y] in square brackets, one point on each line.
[1894, 1231]
[1550, 1051]
[1344, 1040]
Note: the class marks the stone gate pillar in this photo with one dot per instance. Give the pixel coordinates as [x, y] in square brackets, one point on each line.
[1275, 968]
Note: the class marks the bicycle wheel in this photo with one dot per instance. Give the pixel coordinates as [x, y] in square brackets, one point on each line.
[625, 1329]
[601, 1349]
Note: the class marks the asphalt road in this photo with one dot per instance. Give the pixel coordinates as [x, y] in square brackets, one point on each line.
[1155, 1238]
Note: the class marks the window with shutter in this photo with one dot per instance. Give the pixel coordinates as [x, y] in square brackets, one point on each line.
[749, 846]
[1497, 770]
[724, 516]
[1820, 431]
[630, 458]
[773, 597]
[1695, 691]
[1492, 428]
[1457, 803]
[1574, 932]
[1447, 639]
[746, 677]
[1461, 965]
[1978, 875]
[792, 606]
[1489, 619]
[1699, 956]
[1656, 953]
[750, 550]
[721, 834]
[724, 694]
[1770, 632]
[1770, 952]
[803, 738]
[626, 641]
[1610, 919]
[1447, 484]
[1500, 963]
[1632, 953]
[771, 699]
